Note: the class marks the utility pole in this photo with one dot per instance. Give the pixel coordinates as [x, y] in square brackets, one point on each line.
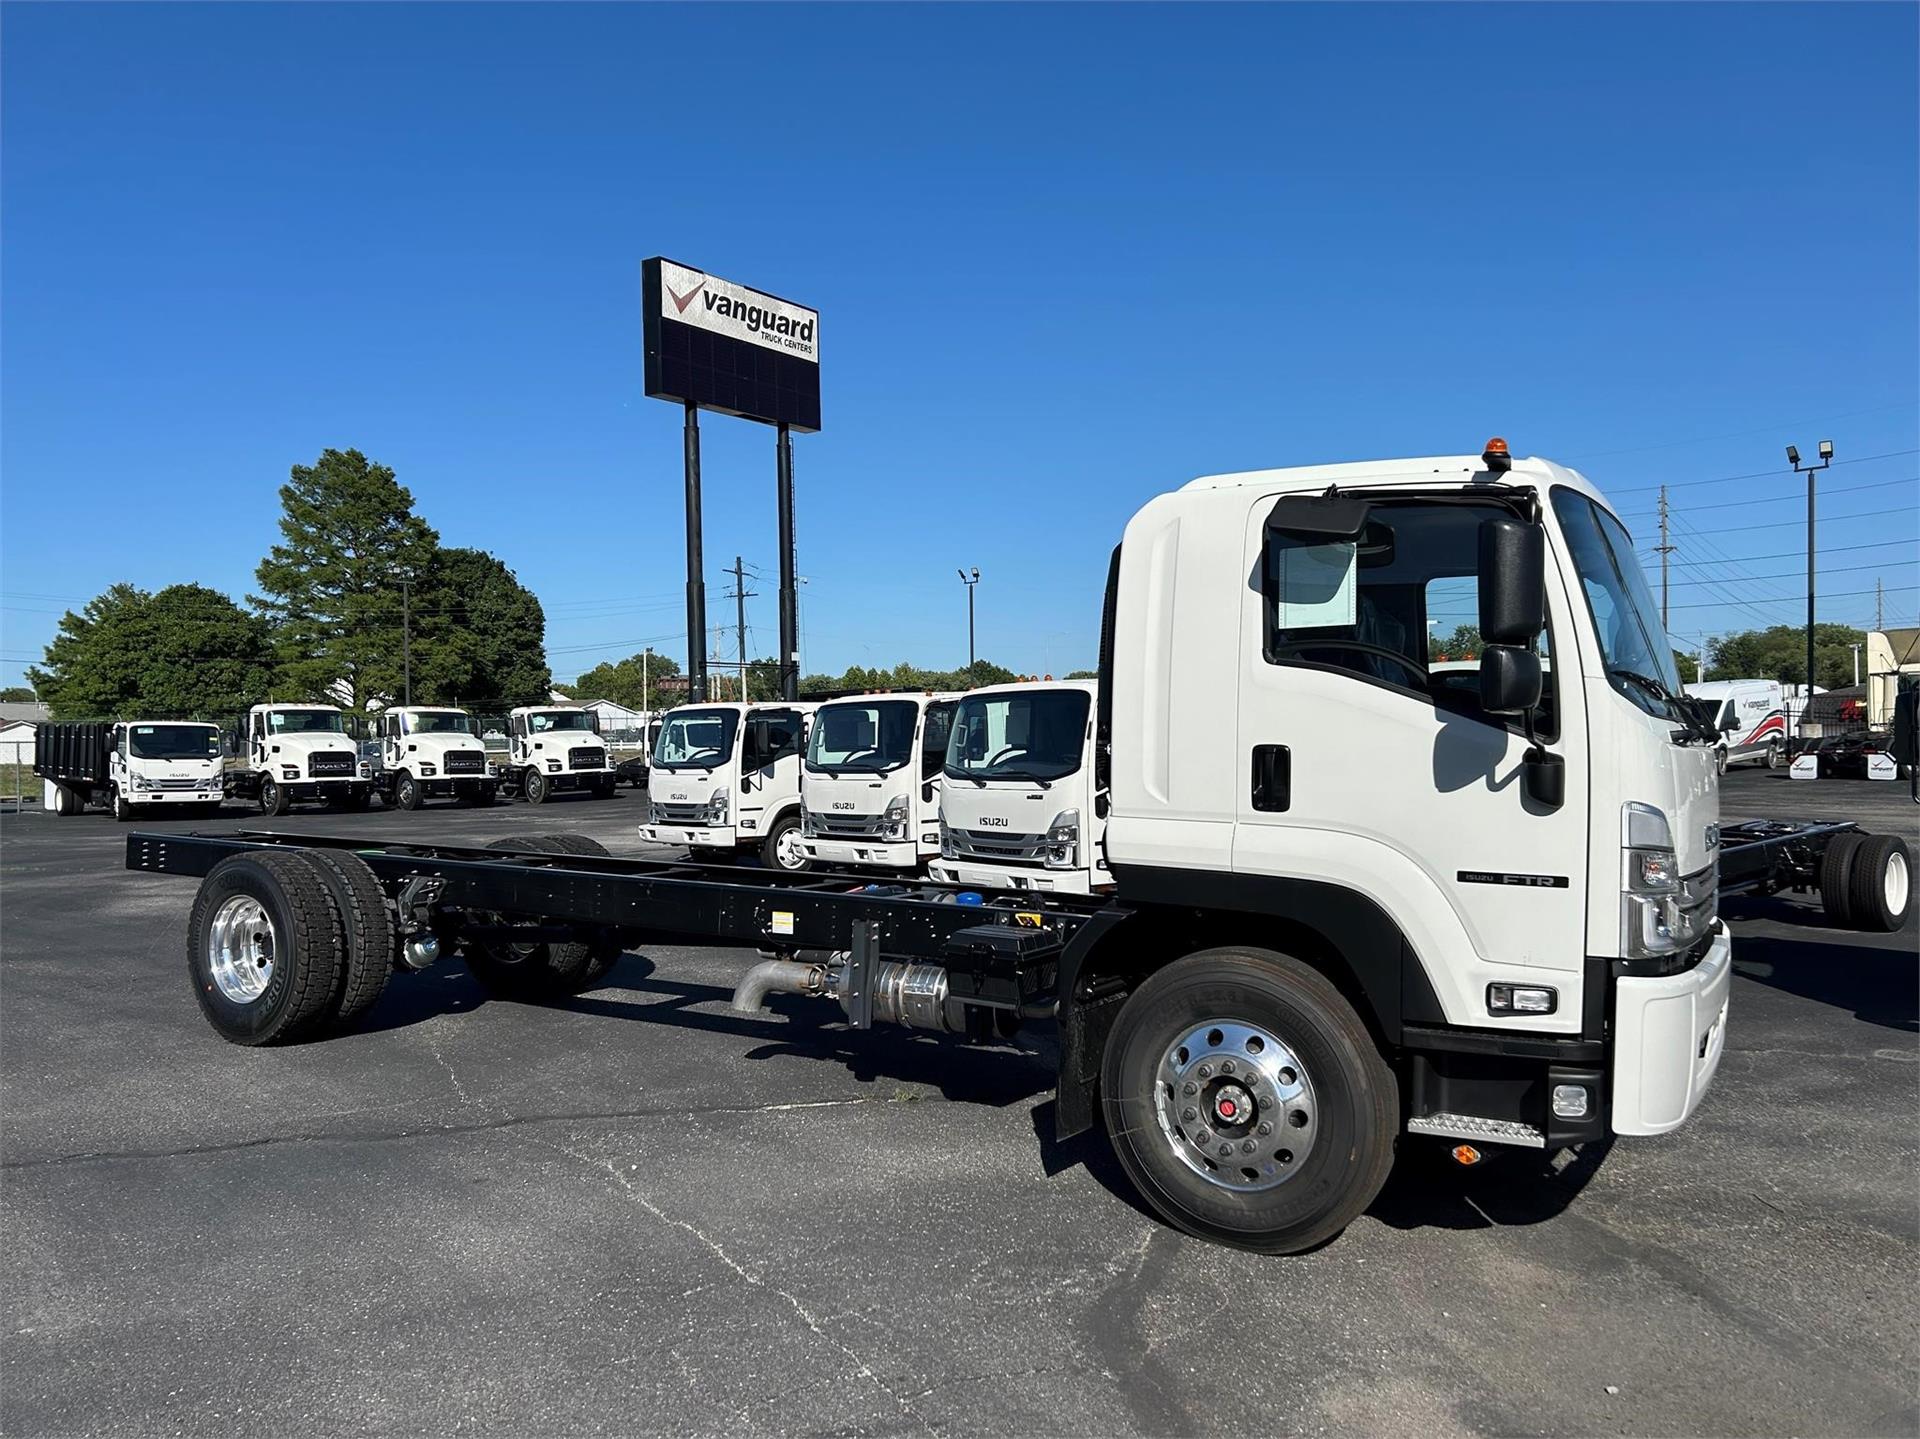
[1793, 458]
[1664, 550]
[1879, 605]
[646, 692]
[740, 596]
[406, 641]
[970, 581]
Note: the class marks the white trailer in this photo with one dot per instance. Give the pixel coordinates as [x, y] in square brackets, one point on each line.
[130, 766]
[871, 783]
[288, 754]
[1022, 807]
[556, 748]
[430, 750]
[724, 780]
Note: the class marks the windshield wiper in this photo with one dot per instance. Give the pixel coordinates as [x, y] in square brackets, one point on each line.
[1694, 726]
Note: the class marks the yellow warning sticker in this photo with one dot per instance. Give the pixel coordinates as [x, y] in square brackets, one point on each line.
[782, 922]
[1028, 919]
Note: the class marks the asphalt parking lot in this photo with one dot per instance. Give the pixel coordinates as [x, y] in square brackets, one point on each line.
[640, 1212]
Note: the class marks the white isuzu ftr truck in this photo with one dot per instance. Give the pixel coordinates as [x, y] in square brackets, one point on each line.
[725, 781]
[1358, 903]
[1021, 809]
[553, 748]
[426, 750]
[288, 754]
[129, 767]
[870, 785]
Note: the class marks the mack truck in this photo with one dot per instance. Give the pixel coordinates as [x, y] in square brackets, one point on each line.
[129, 766]
[1020, 808]
[1359, 905]
[430, 750]
[724, 781]
[555, 748]
[871, 781]
[288, 754]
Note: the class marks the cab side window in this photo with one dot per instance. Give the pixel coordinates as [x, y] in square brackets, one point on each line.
[1397, 607]
[934, 733]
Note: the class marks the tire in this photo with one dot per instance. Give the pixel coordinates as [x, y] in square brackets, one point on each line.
[406, 792]
[273, 797]
[543, 969]
[122, 809]
[1776, 754]
[366, 928]
[781, 848]
[1836, 867]
[605, 789]
[1257, 1002]
[1720, 760]
[603, 954]
[1880, 884]
[535, 787]
[303, 946]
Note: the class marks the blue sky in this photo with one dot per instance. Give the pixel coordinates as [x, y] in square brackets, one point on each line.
[1066, 259]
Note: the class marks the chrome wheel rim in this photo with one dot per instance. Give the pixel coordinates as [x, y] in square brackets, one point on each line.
[240, 949]
[787, 852]
[1896, 883]
[1235, 1105]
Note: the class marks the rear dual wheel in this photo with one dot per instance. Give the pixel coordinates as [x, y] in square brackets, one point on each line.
[541, 969]
[1866, 882]
[1247, 1101]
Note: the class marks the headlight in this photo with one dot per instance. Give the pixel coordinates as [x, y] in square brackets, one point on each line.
[1063, 840]
[290, 771]
[809, 828]
[366, 769]
[140, 781]
[427, 769]
[895, 825]
[653, 812]
[1649, 884]
[717, 805]
[553, 766]
[947, 849]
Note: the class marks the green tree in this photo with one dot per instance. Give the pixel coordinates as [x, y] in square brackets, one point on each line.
[185, 652]
[1083, 674]
[17, 695]
[1462, 644]
[480, 637]
[1687, 665]
[621, 682]
[331, 589]
[1780, 653]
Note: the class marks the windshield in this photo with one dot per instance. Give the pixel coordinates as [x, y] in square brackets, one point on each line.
[1633, 642]
[547, 721]
[439, 722]
[303, 722]
[868, 736]
[1029, 735]
[172, 741]
[696, 739]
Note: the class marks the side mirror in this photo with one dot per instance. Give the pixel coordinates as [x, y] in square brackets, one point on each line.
[1730, 726]
[926, 792]
[1513, 582]
[1509, 680]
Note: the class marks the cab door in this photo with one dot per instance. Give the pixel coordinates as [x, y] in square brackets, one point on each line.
[1367, 765]
[770, 744]
[936, 727]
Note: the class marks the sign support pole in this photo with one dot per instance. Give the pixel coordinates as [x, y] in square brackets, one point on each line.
[696, 569]
[789, 585]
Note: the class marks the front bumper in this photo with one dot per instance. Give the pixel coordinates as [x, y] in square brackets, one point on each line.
[209, 795]
[578, 778]
[884, 854]
[720, 836]
[987, 876]
[457, 784]
[1668, 1035]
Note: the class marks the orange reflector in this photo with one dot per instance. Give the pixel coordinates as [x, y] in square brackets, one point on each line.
[1466, 1154]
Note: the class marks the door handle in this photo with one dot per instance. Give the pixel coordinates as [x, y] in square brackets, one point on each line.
[1272, 777]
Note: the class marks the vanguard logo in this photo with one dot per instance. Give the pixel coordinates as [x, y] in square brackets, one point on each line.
[755, 318]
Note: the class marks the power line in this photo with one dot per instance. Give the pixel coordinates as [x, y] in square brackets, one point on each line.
[1774, 474]
[1795, 499]
[1742, 434]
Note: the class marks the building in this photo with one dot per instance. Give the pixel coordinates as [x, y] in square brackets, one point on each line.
[16, 730]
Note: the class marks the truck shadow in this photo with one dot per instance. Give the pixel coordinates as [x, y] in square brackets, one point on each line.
[995, 1075]
[1876, 983]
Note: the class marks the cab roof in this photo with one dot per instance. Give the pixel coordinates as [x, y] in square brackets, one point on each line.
[1092, 687]
[1422, 470]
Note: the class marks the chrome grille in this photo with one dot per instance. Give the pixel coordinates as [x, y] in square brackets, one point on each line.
[847, 826]
[329, 764]
[465, 761]
[693, 814]
[998, 845]
[586, 758]
[179, 782]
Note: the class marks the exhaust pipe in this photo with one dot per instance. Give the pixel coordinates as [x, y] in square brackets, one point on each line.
[785, 976]
[914, 995]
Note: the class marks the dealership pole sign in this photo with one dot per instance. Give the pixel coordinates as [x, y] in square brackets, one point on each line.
[713, 344]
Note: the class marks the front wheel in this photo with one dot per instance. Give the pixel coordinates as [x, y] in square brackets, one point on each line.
[781, 848]
[1720, 760]
[535, 787]
[1247, 1102]
[122, 808]
[1776, 754]
[406, 792]
[273, 799]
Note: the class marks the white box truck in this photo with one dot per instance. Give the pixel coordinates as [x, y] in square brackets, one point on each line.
[725, 781]
[1750, 717]
[555, 748]
[870, 785]
[429, 750]
[287, 754]
[1022, 807]
[130, 766]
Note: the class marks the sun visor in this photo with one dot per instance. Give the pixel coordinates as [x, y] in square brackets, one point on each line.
[1320, 517]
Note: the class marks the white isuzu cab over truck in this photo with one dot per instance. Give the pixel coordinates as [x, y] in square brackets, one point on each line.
[551, 748]
[870, 785]
[725, 781]
[1020, 809]
[129, 766]
[427, 750]
[298, 753]
[1359, 902]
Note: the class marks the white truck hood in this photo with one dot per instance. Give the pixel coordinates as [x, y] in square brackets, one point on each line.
[307, 744]
[853, 794]
[1016, 806]
[685, 786]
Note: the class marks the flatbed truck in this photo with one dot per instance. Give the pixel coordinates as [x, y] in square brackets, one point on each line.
[129, 766]
[1500, 931]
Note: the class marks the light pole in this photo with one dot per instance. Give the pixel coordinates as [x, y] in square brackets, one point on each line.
[970, 579]
[1793, 458]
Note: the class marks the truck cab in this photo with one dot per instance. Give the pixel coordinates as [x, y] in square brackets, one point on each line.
[426, 750]
[1023, 806]
[554, 748]
[871, 780]
[299, 753]
[724, 780]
